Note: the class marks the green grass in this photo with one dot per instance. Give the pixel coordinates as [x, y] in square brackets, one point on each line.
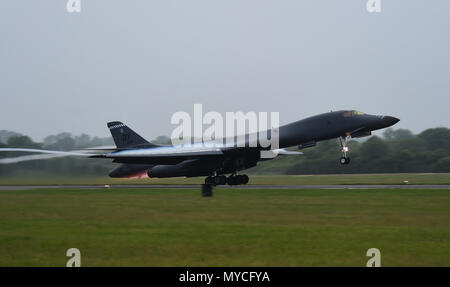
[170, 227]
[400, 178]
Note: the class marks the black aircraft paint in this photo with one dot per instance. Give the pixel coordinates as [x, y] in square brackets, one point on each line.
[139, 158]
[303, 133]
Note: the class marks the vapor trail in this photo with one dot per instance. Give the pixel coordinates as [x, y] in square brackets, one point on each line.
[45, 154]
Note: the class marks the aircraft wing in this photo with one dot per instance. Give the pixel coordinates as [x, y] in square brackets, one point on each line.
[155, 154]
[168, 151]
[169, 154]
[282, 151]
[41, 154]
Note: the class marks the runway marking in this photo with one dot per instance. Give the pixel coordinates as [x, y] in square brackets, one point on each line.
[251, 186]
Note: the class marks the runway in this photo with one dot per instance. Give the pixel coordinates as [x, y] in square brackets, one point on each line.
[250, 186]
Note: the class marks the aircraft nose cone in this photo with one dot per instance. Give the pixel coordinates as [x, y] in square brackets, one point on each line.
[389, 121]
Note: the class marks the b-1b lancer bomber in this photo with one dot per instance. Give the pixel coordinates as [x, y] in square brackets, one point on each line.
[137, 156]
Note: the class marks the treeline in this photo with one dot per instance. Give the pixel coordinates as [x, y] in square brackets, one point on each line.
[63, 166]
[395, 151]
[55, 166]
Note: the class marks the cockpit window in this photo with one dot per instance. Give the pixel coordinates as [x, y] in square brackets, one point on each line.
[353, 113]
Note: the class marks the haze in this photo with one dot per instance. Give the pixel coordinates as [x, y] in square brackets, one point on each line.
[141, 61]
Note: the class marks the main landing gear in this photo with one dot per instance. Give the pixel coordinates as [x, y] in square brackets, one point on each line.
[343, 142]
[237, 179]
[234, 179]
[211, 181]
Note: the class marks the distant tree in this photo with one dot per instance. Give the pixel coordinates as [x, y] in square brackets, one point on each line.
[2, 154]
[396, 151]
[400, 134]
[436, 138]
[82, 140]
[5, 135]
[52, 139]
[66, 143]
[375, 148]
[443, 165]
[96, 141]
[22, 142]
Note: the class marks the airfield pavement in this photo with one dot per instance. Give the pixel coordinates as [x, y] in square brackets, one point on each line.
[254, 186]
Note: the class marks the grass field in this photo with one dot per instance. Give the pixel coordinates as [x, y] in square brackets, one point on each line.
[390, 178]
[171, 227]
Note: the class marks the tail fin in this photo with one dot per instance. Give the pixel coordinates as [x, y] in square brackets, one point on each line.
[125, 137]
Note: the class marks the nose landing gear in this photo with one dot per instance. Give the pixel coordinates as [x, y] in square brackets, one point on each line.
[343, 142]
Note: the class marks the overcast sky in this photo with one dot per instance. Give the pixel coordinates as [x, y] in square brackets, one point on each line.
[141, 61]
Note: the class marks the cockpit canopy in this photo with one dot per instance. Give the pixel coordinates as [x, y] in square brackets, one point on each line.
[353, 113]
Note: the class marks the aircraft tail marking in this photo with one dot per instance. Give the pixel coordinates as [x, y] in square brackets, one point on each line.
[125, 137]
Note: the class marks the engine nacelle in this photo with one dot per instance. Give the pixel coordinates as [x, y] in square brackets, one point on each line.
[130, 170]
[187, 168]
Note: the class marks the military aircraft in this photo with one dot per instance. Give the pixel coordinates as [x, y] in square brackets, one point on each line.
[139, 157]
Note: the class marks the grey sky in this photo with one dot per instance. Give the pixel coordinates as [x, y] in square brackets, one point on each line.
[141, 61]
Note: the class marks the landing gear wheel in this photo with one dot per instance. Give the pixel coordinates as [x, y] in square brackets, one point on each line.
[246, 179]
[237, 179]
[220, 180]
[207, 190]
[231, 180]
[344, 160]
[216, 180]
[343, 143]
[209, 180]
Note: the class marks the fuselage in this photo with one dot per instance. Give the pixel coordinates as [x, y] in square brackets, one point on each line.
[232, 156]
[331, 125]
